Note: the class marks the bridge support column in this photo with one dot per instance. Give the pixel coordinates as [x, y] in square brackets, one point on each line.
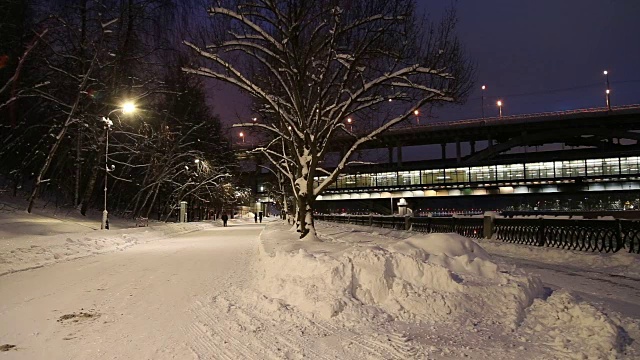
[444, 151]
[458, 156]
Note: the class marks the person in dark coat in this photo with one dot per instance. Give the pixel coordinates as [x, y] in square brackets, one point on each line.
[255, 217]
[260, 216]
[224, 219]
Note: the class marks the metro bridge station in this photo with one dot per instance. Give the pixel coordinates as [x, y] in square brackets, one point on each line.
[580, 160]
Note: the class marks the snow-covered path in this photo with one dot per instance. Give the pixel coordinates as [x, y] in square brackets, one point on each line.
[123, 305]
[612, 291]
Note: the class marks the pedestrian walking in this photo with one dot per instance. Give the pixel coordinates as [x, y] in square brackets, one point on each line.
[255, 217]
[260, 216]
[224, 219]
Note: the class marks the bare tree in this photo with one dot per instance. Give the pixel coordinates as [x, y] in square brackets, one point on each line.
[312, 64]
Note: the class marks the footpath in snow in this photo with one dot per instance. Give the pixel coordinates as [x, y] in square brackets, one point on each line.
[357, 293]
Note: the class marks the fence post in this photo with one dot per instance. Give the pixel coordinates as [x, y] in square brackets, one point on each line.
[619, 238]
[541, 237]
[407, 223]
[487, 225]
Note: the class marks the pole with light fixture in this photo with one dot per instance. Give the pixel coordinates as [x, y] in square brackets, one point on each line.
[500, 108]
[241, 136]
[417, 114]
[350, 124]
[608, 90]
[127, 107]
[482, 104]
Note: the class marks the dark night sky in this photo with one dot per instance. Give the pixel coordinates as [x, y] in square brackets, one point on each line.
[535, 55]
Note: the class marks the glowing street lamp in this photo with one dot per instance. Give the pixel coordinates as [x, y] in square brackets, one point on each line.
[482, 104]
[416, 113]
[242, 136]
[254, 119]
[126, 108]
[500, 107]
[349, 121]
[608, 90]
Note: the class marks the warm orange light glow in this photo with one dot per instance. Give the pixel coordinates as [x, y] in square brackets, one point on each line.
[483, 87]
[241, 134]
[416, 112]
[606, 72]
[349, 120]
[499, 103]
[608, 91]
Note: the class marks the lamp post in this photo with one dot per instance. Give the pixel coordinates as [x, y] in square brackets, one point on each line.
[350, 124]
[242, 136]
[126, 108]
[608, 90]
[500, 108]
[417, 113]
[482, 104]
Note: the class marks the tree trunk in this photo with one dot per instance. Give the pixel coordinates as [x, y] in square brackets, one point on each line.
[304, 215]
[47, 163]
[88, 190]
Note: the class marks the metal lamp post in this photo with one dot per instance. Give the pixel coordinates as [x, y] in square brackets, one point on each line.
[500, 108]
[482, 104]
[127, 107]
[608, 90]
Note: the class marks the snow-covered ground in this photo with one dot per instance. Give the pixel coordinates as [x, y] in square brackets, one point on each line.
[201, 291]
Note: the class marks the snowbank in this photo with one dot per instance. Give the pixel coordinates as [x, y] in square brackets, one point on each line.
[430, 278]
[439, 279]
[574, 330]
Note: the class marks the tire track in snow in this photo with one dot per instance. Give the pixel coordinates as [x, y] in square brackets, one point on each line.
[283, 334]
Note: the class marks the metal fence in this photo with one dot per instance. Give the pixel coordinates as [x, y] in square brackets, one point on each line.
[586, 235]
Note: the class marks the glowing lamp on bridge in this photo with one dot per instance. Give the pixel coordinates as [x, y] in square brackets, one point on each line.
[350, 124]
[416, 113]
[500, 107]
[241, 136]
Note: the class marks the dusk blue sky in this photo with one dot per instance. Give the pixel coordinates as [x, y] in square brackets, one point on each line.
[534, 55]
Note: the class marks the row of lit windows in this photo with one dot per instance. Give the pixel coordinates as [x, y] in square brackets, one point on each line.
[492, 173]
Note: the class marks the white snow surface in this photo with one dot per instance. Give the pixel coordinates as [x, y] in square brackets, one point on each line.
[250, 291]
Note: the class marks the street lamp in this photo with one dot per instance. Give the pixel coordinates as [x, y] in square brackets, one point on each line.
[500, 107]
[482, 104]
[416, 113]
[608, 90]
[126, 108]
[350, 125]
[242, 136]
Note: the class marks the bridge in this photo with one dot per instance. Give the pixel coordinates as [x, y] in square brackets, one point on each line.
[605, 162]
[598, 127]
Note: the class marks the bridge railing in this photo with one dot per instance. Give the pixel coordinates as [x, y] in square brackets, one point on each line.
[571, 234]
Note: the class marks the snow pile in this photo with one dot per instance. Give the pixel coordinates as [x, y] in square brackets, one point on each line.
[442, 280]
[430, 278]
[575, 330]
